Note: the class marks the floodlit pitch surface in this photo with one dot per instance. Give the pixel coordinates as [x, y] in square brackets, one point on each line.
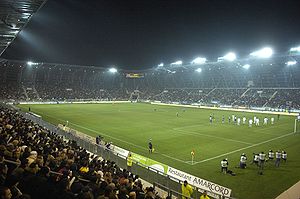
[132, 125]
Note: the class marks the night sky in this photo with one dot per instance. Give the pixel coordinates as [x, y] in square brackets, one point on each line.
[137, 34]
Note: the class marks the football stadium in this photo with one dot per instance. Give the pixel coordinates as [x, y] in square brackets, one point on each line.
[227, 126]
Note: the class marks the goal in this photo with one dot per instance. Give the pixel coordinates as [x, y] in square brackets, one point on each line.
[297, 126]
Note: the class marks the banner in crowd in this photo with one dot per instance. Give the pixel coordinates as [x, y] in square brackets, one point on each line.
[199, 182]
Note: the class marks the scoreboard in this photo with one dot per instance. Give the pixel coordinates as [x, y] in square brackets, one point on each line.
[135, 75]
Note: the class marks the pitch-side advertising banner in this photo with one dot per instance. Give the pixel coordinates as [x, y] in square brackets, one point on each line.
[199, 182]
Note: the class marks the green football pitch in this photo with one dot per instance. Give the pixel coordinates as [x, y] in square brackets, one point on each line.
[130, 126]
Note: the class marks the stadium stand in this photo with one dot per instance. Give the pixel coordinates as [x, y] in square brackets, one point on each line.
[268, 84]
[37, 151]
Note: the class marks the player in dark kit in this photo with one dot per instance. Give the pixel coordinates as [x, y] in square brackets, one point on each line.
[150, 146]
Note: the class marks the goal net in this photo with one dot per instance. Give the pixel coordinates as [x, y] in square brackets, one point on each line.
[297, 125]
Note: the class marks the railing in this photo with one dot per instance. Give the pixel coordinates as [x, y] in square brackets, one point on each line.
[170, 192]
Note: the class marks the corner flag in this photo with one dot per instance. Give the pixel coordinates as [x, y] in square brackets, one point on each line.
[193, 155]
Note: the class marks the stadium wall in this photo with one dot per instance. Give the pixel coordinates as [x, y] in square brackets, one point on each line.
[72, 102]
[242, 109]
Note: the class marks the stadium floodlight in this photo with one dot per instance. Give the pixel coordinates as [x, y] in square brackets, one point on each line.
[113, 70]
[229, 57]
[177, 63]
[291, 63]
[30, 63]
[295, 49]
[246, 66]
[199, 60]
[199, 70]
[263, 53]
[160, 65]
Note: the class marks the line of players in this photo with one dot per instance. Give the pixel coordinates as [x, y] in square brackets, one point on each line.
[237, 120]
[259, 160]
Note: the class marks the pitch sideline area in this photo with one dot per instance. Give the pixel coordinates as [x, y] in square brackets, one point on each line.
[223, 140]
[180, 130]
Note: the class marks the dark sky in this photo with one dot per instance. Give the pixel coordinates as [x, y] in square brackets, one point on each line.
[136, 34]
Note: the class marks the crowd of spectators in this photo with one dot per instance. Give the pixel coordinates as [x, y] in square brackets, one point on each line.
[225, 96]
[286, 98]
[255, 98]
[11, 92]
[28, 152]
[282, 98]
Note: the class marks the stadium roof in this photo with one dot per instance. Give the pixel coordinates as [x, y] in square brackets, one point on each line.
[14, 16]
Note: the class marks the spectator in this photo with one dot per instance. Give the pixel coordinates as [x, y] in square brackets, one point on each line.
[129, 161]
[204, 195]
[186, 190]
[5, 193]
[3, 173]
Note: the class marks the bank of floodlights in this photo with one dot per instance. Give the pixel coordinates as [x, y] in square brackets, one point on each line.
[113, 70]
[262, 53]
[246, 66]
[295, 49]
[199, 70]
[30, 63]
[177, 63]
[291, 63]
[228, 57]
[199, 60]
[160, 65]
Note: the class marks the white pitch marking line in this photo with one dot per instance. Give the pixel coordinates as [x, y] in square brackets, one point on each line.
[221, 138]
[144, 148]
[126, 142]
[179, 159]
[260, 143]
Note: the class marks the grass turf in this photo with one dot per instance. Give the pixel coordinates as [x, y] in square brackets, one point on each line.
[132, 125]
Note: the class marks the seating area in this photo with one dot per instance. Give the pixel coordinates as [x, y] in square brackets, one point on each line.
[265, 85]
[283, 98]
[37, 151]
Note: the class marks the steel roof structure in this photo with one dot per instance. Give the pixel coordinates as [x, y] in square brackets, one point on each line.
[14, 16]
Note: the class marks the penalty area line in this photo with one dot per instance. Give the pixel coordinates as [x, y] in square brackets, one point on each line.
[257, 144]
[184, 132]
